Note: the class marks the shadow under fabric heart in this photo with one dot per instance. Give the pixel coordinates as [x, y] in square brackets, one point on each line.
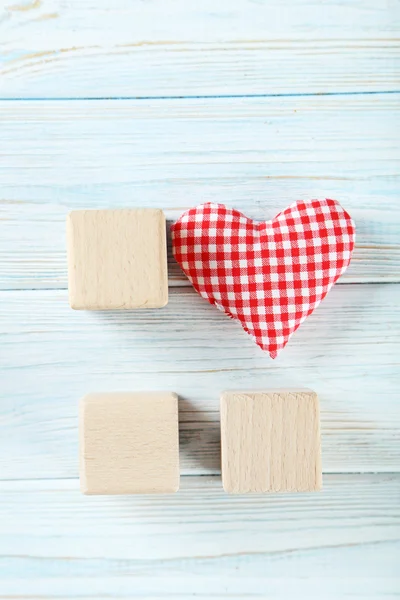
[270, 275]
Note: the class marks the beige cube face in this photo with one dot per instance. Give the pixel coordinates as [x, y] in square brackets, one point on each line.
[117, 259]
[270, 441]
[129, 443]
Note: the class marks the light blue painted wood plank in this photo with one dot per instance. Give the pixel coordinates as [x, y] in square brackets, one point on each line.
[50, 356]
[175, 47]
[257, 155]
[55, 542]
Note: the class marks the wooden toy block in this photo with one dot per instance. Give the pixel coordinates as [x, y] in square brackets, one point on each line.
[129, 443]
[270, 441]
[117, 259]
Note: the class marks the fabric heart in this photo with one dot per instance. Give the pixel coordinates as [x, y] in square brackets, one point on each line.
[269, 275]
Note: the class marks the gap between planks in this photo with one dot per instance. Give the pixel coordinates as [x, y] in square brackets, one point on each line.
[196, 480]
[195, 96]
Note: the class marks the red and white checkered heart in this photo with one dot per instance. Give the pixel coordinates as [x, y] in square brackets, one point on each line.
[269, 275]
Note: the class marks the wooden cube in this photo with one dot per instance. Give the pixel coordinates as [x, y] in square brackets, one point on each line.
[129, 443]
[117, 259]
[270, 441]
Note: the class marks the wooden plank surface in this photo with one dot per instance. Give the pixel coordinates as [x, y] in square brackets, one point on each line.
[347, 351]
[203, 542]
[73, 49]
[257, 155]
[335, 134]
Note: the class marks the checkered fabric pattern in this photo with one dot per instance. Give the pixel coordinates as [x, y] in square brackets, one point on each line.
[269, 275]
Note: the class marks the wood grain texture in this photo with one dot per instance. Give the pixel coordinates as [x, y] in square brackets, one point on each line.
[270, 441]
[347, 351]
[62, 49]
[57, 543]
[129, 443]
[117, 259]
[256, 155]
